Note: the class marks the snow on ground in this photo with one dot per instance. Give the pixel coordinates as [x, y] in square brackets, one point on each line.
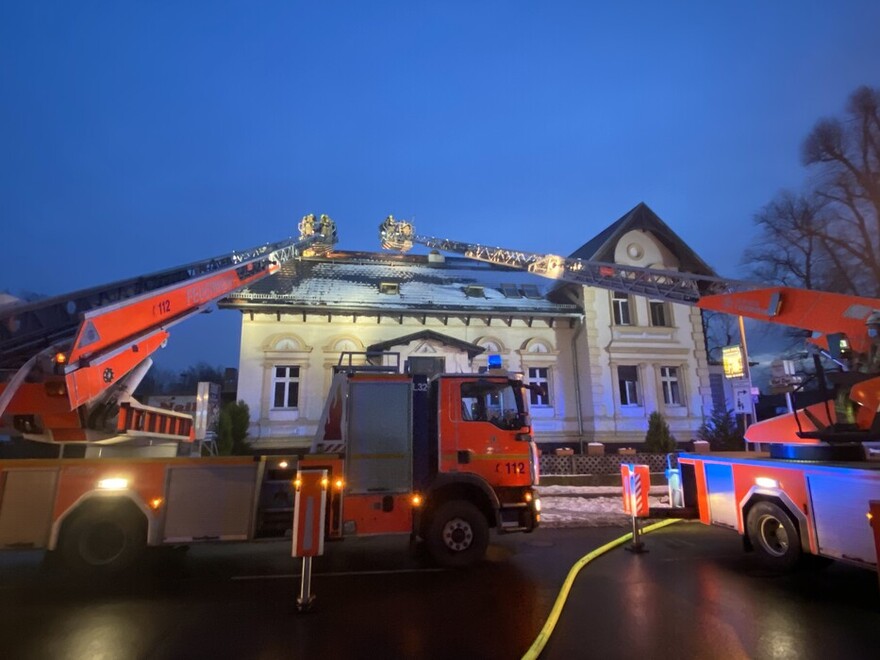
[589, 506]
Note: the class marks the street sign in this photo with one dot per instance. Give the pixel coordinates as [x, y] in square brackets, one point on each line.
[742, 397]
[732, 361]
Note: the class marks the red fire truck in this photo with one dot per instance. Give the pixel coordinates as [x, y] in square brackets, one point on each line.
[812, 484]
[68, 368]
[442, 460]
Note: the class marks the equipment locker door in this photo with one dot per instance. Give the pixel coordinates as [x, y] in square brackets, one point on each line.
[26, 502]
[722, 501]
[210, 502]
[379, 438]
[840, 505]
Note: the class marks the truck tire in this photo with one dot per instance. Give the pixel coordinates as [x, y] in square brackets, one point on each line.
[774, 536]
[457, 535]
[103, 540]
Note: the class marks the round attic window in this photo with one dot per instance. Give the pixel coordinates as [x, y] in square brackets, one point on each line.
[635, 251]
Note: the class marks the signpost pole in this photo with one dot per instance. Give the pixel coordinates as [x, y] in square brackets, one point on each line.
[306, 599]
[746, 370]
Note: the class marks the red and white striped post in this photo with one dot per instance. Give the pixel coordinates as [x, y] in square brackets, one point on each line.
[309, 510]
[636, 484]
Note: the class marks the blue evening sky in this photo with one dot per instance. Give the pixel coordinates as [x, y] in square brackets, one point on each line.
[136, 136]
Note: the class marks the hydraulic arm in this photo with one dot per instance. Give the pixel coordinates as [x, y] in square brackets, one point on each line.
[70, 351]
[821, 312]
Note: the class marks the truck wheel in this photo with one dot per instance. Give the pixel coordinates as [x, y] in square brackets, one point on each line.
[103, 541]
[457, 535]
[773, 536]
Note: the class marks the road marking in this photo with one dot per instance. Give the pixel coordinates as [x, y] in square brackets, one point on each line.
[290, 576]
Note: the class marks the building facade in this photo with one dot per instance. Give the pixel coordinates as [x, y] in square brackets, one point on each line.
[599, 362]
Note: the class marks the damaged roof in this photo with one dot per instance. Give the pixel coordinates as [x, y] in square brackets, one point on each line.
[369, 281]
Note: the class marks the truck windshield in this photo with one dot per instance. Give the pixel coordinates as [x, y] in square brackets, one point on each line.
[497, 403]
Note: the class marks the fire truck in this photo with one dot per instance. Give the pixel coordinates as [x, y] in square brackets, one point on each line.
[70, 365]
[810, 486]
[444, 460]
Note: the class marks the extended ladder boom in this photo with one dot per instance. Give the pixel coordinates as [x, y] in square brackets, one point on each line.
[97, 336]
[684, 288]
[26, 329]
[821, 312]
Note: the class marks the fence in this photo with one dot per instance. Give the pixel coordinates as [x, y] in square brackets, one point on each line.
[609, 464]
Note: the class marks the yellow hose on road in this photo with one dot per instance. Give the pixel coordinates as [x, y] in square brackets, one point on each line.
[541, 640]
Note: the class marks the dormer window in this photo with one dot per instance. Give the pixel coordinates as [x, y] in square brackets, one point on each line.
[474, 291]
[531, 291]
[389, 288]
[510, 291]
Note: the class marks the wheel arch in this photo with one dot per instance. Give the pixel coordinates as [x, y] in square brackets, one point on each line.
[781, 499]
[94, 499]
[468, 487]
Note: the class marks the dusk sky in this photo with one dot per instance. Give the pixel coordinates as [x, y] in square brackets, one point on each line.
[136, 136]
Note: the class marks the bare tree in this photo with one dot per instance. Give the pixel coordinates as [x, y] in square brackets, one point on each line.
[190, 377]
[719, 330]
[846, 156]
[789, 249]
[157, 381]
[829, 236]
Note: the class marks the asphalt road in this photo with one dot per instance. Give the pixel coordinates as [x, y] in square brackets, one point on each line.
[695, 594]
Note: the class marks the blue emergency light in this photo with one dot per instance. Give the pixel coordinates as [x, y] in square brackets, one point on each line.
[494, 361]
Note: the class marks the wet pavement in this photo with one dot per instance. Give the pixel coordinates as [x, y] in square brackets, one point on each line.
[695, 594]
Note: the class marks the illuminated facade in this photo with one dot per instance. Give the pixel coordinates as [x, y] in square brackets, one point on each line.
[601, 362]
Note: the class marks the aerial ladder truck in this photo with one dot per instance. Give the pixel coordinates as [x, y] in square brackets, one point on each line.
[443, 461]
[815, 490]
[70, 365]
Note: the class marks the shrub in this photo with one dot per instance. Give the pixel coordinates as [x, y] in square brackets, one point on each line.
[659, 440]
[232, 429]
[721, 431]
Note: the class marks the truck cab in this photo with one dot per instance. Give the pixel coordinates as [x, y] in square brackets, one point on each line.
[444, 460]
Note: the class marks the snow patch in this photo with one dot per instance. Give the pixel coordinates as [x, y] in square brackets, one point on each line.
[589, 506]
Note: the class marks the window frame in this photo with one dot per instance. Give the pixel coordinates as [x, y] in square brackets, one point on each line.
[621, 306]
[287, 380]
[671, 385]
[666, 311]
[436, 360]
[630, 397]
[545, 380]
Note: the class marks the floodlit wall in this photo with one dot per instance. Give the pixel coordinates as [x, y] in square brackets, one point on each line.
[592, 353]
[313, 346]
